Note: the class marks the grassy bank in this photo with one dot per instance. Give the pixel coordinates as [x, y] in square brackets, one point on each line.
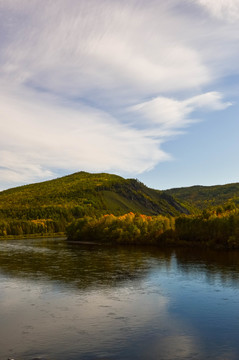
[33, 236]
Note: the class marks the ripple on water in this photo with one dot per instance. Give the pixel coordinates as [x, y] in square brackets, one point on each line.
[64, 302]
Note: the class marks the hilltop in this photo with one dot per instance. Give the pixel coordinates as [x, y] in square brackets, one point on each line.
[50, 205]
[197, 198]
[88, 194]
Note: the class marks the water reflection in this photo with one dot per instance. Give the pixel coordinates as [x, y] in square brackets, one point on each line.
[62, 301]
[82, 267]
[88, 265]
[216, 266]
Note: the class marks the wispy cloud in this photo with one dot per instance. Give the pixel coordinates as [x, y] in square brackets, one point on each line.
[164, 117]
[38, 137]
[100, 86]
[223, 9]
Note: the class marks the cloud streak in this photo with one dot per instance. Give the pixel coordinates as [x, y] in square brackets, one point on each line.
[224, 9]
[100, 86]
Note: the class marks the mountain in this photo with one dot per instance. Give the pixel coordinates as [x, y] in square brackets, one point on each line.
[203, 197]
[48, 207]
[82, 193]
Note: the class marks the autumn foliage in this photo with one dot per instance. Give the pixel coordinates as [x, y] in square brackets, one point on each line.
[129, 228]
[217, 228]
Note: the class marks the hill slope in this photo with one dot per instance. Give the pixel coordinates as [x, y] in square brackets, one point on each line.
[203, 197]
[84, 194]
[49, 206]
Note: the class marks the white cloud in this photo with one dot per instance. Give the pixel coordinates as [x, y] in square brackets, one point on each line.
[75, 79]
[170, 114]
[207, 101]
[89, 46]
[38, 138]
[37, 141]
[222, 9]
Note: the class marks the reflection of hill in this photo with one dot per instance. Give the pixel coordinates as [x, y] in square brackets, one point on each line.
[85, 266]
[222, 266]
[79, 266]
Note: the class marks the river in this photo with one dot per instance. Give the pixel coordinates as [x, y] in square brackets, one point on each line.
[62, 301]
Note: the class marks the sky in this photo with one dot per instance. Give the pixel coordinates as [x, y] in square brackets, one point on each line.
[142, 89]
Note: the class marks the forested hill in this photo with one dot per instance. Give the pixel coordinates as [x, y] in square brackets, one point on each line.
[50, 206]
[204, 197]
[85, 194]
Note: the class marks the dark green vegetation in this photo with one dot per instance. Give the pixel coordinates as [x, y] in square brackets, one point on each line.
[197, 198]
[210, 228]
[48, 207]
[213, 229]
[80, 202]
[127, 229]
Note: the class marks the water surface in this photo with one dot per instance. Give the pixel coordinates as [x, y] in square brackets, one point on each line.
[64, 301]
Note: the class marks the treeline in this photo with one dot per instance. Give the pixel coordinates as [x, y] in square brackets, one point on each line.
[128, 229]
[27, 227]
[39, 220]
[57, 212]
[216, 229]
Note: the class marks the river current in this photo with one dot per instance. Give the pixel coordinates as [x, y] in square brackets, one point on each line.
[62, 301]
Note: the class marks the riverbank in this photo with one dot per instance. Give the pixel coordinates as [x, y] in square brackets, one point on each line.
[166, 243]
[160, 245]
[33, 236]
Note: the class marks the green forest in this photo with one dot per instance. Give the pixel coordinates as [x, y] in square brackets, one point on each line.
[108, 208]
[206, 197]
[128, 228]
[48, 207]
[218, 228]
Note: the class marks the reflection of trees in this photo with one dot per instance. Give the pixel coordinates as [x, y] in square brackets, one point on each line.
[78, 265]
[217, 266]
[83, 266]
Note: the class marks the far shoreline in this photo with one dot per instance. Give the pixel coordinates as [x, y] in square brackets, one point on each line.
[167, 243]
[60, 235]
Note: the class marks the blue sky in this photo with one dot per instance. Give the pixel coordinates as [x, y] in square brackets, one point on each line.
[143, 89]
